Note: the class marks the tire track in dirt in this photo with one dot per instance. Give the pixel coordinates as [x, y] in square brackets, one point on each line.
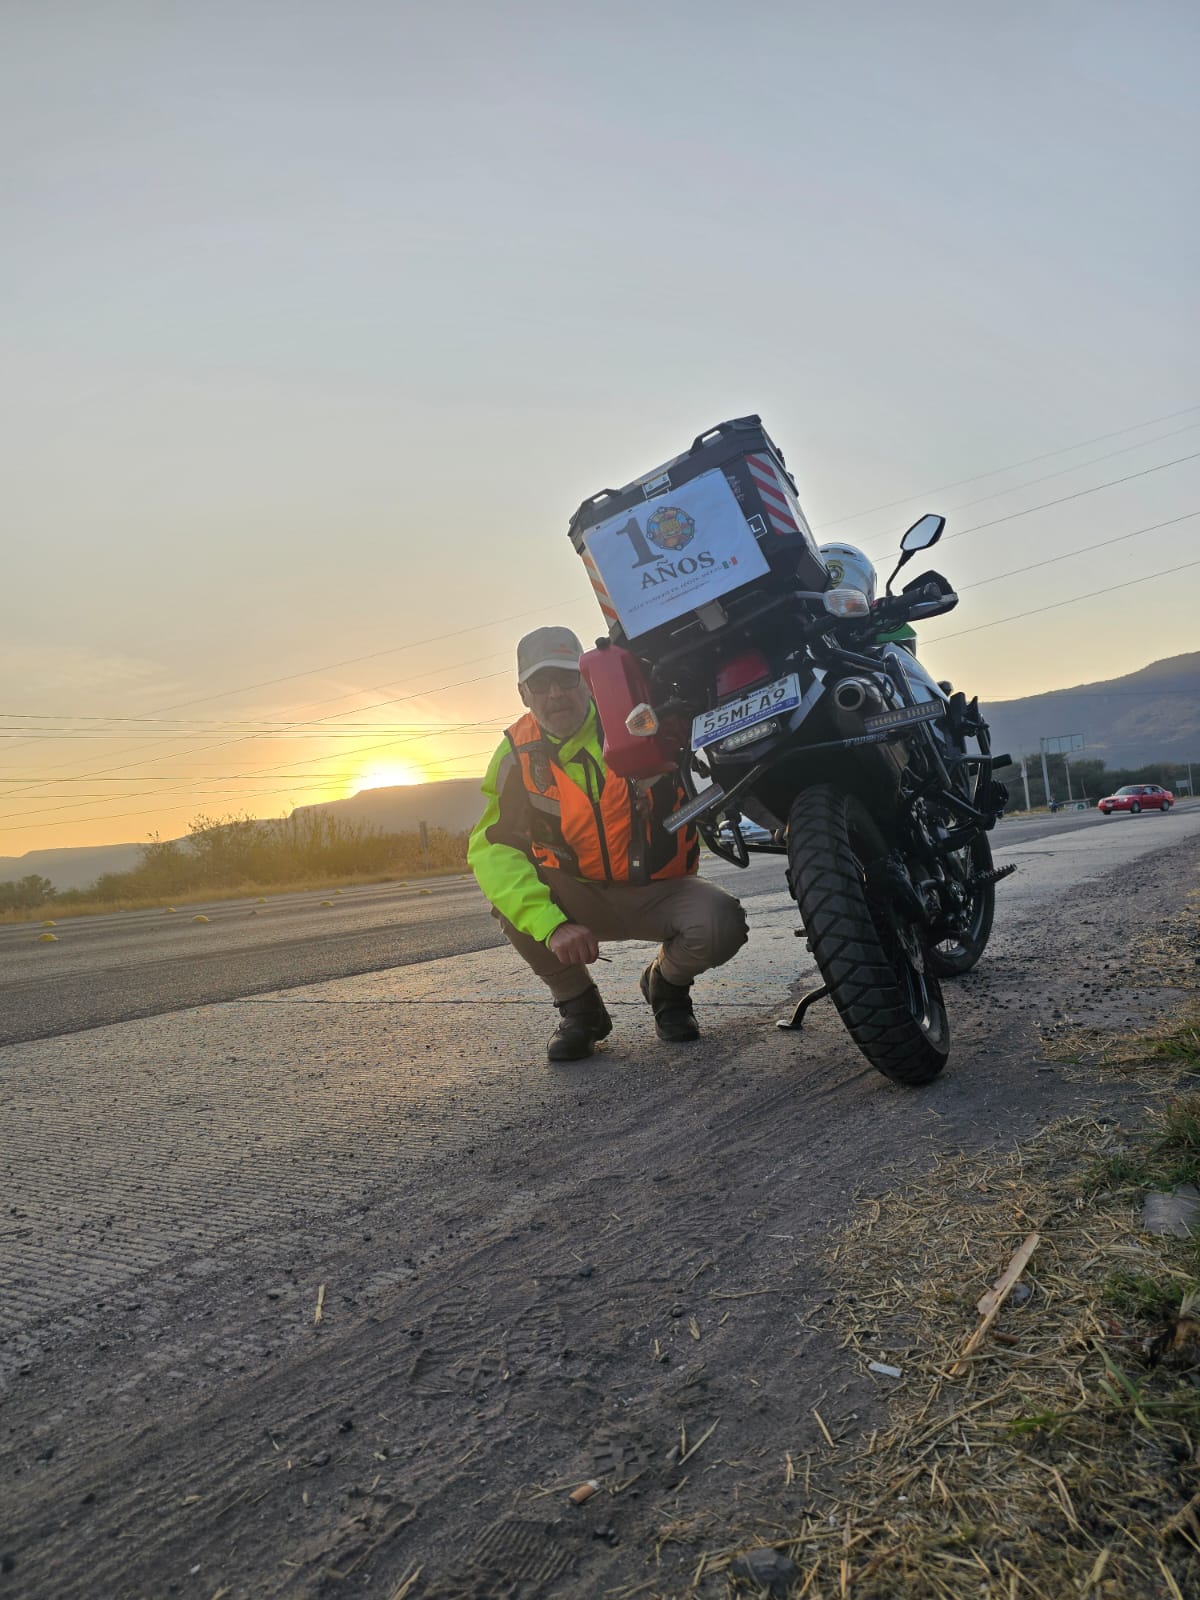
[490, 1322]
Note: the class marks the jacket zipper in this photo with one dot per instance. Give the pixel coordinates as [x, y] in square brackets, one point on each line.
[639, 840]
[591, 767]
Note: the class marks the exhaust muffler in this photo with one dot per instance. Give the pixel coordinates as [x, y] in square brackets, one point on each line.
[855, 699]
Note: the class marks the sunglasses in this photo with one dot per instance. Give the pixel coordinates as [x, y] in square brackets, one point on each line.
[542, 683]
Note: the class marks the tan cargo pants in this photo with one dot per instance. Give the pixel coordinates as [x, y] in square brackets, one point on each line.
[698, 925]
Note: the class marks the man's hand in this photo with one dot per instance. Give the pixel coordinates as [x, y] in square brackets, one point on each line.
[574, 945]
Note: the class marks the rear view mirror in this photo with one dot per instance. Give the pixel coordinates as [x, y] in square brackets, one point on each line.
[922, 534]
[925, 531]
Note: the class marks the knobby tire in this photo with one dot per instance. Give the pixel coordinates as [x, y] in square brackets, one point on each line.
[831, 838]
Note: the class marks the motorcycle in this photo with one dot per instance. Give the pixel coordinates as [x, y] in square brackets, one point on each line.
[874, 781]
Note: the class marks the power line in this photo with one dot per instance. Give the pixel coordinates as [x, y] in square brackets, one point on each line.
[532, 611]
[416, 644]
[224, 744]
[157, 811]
[92, 735]
[374, 655]
[258, 728]
[1077, 466]
[1032, 566]
[1074, 600]
[1012, 466]
[1079, 494]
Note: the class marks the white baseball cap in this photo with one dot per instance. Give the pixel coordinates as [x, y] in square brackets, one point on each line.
[547, 647]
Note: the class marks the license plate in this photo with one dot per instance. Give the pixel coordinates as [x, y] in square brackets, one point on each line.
[757, 706]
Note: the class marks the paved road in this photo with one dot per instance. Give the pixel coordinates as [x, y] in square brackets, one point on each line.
[126, 965]
[528, 1275]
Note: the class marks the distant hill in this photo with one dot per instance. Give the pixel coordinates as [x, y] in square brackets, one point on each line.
[1151, 715]
[71, 868]
[454, 803]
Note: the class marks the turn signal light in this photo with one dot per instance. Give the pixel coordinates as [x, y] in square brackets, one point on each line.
[642, 721]
[846, 602]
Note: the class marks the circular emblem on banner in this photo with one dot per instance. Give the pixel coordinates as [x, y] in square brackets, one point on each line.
[670, 528]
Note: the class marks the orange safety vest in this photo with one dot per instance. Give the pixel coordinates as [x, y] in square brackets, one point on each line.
[610, 839]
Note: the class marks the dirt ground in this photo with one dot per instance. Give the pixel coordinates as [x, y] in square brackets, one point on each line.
[617, 1277]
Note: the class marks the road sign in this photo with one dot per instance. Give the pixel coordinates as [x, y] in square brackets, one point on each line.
[1063, 743]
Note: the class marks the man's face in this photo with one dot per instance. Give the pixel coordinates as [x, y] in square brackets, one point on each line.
[558, 698]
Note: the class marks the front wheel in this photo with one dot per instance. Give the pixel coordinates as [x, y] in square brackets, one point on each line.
[873, 961]
[1165, 807]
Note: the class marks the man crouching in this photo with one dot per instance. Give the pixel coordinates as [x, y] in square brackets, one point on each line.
[569, 855]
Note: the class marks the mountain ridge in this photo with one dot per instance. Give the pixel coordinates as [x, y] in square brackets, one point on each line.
[1152, 714]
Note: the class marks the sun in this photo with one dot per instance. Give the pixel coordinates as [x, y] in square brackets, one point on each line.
[389, 775]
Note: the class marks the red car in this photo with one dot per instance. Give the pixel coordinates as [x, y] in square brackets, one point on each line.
[1137, 797]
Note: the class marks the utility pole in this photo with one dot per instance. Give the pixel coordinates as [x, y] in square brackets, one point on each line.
[1059, 745]
[1025, 781]
[1067, 770]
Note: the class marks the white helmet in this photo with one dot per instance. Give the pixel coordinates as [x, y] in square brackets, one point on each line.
[848, 566]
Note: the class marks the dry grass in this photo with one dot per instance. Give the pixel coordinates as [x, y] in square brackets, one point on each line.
[1065, 1464]
[1172, 1042]
[56, 912]
[1168, 957]
[1057, 1466]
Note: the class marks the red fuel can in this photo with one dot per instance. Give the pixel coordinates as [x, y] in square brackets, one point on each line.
[618, 684]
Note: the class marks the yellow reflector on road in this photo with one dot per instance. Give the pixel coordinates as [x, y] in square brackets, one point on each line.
[47, 938]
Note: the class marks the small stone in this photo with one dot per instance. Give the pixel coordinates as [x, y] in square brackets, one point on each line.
[1176, 1214]
[767, 1568]
[586, 1272]
[321, 1459]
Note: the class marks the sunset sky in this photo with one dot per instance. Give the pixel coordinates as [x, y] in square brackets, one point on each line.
[319, 321]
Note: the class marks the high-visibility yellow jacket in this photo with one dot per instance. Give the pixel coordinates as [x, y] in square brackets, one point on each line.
[553, 803]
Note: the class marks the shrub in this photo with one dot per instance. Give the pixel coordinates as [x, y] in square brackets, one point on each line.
[228, 852]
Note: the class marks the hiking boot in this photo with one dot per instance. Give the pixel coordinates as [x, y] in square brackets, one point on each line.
[585, 1021]
[674, 1019]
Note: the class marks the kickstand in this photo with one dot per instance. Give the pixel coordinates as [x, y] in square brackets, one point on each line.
[797, 1021]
